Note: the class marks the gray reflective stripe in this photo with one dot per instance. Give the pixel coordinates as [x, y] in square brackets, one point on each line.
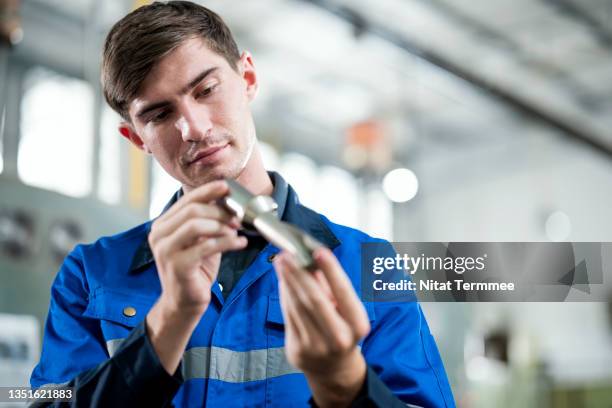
[253, 365]
[196, 363]
[113, 345]
[227, 365]
[278, 364]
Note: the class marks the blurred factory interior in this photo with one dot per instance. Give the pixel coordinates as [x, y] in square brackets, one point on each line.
[414, 120]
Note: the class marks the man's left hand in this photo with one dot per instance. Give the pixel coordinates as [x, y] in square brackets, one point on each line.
[324, 321]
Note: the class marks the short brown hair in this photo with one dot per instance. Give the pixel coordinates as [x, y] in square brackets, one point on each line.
[142, 38]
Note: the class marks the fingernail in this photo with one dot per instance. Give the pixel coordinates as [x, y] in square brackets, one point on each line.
[318, 254]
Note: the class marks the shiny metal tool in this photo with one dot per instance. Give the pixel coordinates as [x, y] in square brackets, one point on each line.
[259, 213]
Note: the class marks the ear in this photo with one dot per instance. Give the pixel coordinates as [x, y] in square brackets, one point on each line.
[127, 130]
[247, 70]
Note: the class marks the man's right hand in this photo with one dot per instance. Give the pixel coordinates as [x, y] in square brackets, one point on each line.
[187, 242]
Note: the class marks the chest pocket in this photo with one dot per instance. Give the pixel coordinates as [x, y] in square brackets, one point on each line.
[118, 312]
[275, 324]
[275, 312]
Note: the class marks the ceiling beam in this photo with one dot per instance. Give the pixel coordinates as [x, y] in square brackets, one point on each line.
[565, 127]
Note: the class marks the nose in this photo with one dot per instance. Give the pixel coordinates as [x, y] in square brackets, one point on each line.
[193, 126]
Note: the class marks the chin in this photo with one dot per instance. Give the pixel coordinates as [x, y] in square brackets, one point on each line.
[216, 173]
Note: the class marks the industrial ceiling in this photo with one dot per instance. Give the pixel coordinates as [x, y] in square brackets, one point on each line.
[456, 75]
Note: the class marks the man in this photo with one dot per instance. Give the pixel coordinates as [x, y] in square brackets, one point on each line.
[190, 310]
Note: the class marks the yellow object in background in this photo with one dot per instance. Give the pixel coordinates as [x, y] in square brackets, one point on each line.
[138, 180]
[139, 3]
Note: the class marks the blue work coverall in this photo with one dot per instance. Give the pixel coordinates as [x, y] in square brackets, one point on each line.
[95, 339]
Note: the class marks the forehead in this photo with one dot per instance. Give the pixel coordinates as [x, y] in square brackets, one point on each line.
[177, 68]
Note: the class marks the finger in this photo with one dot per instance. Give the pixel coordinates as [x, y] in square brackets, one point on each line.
[289, 314]
[287, 305]
[320, 278]
[194, 210]
[348, 303]
[197, 253]
[309, 333]
[189, 233]
[315, 308]
[202, 194]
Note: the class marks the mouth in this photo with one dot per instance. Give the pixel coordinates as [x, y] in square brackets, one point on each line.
[208, 155]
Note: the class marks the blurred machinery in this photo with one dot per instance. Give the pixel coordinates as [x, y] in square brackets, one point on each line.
[34, 239]
[19, 348]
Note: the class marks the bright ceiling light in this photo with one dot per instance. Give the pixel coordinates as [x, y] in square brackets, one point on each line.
[558, 226]
[400, 185]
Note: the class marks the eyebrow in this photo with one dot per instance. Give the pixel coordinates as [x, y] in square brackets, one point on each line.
[192, 84]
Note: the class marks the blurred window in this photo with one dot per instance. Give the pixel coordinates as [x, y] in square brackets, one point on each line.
[337, 196]
[109, 178]
[55, 147]
[329, 190]
[162, 188]
[378, 211]
[301, 172]
[269, 155]
[2, 118]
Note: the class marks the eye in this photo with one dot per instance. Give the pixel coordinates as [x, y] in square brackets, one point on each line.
[206, 91]
[159, 117]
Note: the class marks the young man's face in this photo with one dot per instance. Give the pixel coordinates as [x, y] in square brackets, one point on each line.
[192, 113]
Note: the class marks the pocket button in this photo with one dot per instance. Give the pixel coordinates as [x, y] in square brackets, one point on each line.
[129, 311]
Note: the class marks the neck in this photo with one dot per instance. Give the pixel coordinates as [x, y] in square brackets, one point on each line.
[254, 176]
